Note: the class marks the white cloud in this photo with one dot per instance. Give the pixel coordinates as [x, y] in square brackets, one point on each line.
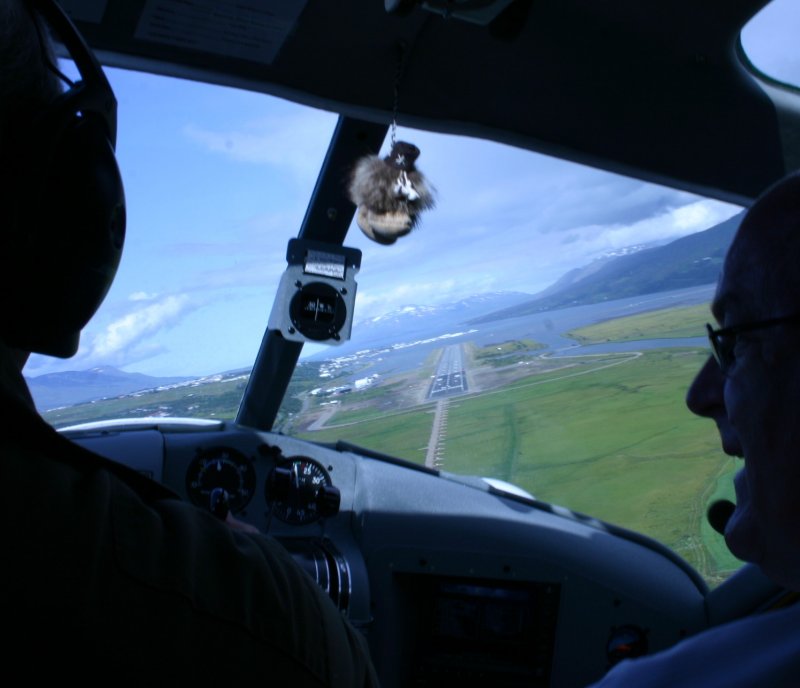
[699, 215]
[667, 225]
[378, 301]
[402, 293]
[142, 296]
[297, 141]
[127, 339]
[122, 334]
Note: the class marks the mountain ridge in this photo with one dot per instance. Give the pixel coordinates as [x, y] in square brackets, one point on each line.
[53, 390]
[690, 261]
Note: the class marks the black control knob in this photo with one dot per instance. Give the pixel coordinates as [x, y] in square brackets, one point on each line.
[299, 491]
[279, 484]
[220, 503]
[328, 500]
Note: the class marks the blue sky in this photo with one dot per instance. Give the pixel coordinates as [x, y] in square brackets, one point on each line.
[217, 181]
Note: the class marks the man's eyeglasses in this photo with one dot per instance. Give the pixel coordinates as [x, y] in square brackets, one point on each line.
[723, 341]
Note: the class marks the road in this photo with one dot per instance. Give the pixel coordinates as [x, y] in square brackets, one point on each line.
[434, 457]
[450, 376]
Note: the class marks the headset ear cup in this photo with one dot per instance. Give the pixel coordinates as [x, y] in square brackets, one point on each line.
[75, 222]
[84, 223]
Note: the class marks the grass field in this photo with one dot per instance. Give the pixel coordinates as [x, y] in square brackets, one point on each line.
[613, 440]
[618, 444]
[688, 321]
[404, 434]
[506, 353]
[218, 400]
[722, 560]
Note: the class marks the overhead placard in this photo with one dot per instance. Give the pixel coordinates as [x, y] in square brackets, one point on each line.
[248, 31]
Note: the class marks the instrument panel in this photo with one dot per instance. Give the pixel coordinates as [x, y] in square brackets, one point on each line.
[442, 573]
[298, 490]
[272, 485]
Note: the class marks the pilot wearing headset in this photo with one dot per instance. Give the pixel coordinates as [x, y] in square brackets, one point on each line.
[104, 573]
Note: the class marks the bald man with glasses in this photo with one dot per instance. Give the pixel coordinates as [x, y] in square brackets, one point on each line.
[750, 387]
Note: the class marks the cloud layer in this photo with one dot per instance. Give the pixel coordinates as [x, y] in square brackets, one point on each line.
[295, 141]
[129, 338]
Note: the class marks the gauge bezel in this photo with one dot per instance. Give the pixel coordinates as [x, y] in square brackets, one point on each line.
[240, 496]
[301, 507]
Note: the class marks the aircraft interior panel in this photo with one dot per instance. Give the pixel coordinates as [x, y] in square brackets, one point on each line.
[445, 576]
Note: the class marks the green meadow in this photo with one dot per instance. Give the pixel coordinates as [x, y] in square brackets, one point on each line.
[216, 400]
[615, 442]
[404, 434]
[618, 444]
[686, 321]
[506, 353]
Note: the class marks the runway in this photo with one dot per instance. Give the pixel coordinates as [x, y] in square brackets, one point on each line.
[450, 375]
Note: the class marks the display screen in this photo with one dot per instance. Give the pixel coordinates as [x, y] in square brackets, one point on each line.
[478, 632]
[472, 612]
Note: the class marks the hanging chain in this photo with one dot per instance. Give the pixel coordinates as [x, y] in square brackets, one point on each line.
[397, 76]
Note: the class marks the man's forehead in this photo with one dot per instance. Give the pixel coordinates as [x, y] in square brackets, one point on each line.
[761, 253]
[723, 297]
[726, 300]
[739, 286]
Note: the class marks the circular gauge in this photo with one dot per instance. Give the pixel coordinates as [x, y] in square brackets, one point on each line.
[296, 490]
[318, 311]
[225, 469]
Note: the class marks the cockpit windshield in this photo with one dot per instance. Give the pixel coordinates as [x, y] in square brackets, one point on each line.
[539, 327]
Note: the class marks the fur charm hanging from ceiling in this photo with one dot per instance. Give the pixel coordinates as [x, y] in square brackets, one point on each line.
[390, 193]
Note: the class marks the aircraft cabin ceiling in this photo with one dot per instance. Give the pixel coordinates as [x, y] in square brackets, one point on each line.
[652, 89]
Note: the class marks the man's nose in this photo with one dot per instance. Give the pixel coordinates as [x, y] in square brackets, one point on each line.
[706, 393]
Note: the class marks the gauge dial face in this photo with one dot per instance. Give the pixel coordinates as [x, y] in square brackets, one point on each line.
[221, 467]
[299, 505]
